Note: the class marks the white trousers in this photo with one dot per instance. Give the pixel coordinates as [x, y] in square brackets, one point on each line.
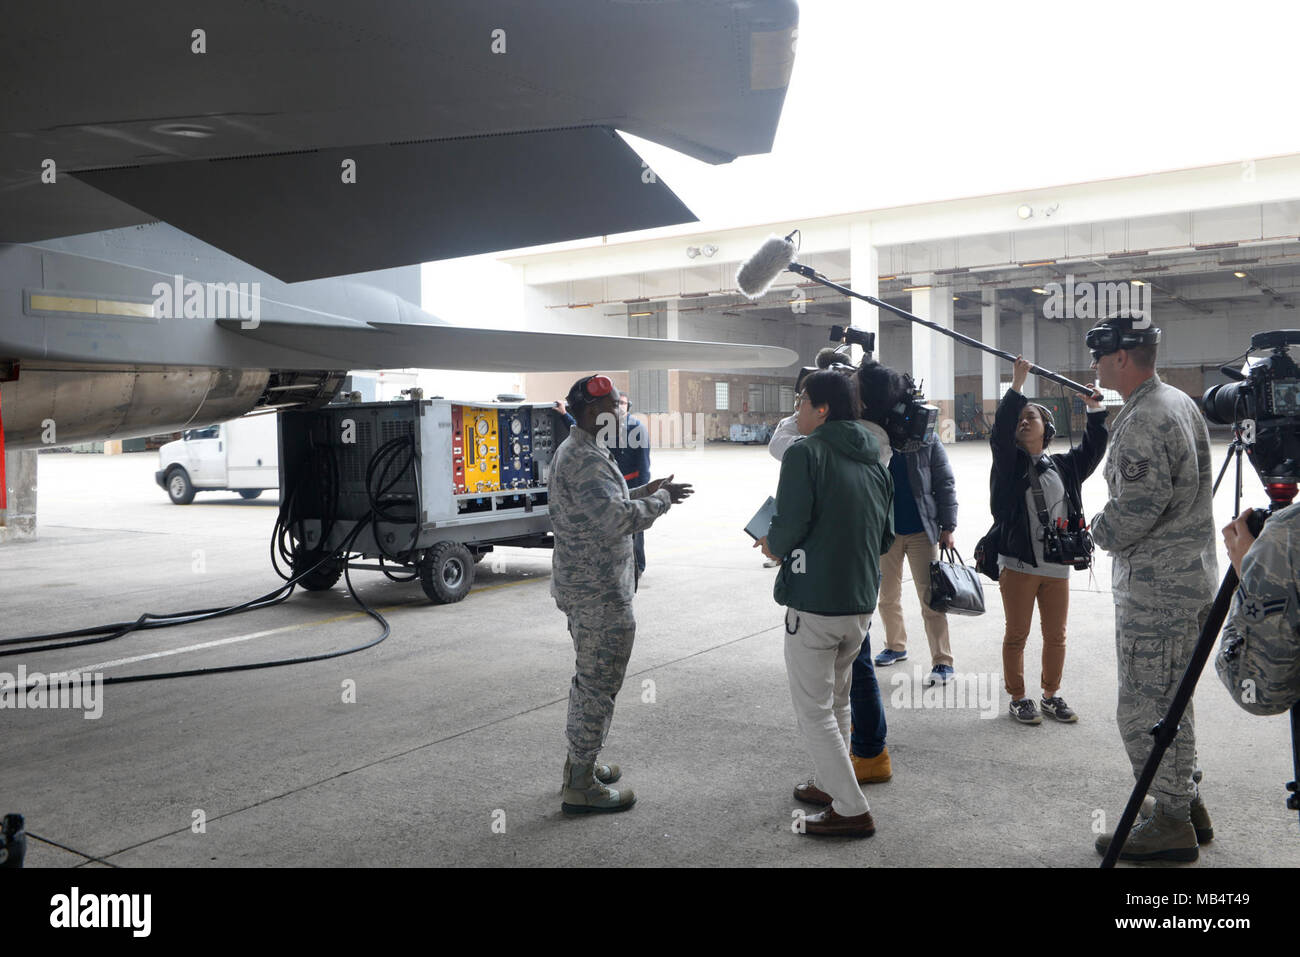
[819, 653]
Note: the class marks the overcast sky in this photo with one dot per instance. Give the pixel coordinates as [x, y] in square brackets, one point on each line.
[895, 103]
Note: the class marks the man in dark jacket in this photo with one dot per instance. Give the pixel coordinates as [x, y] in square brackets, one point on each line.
[632, 453]
[925, 517]
[833, 520]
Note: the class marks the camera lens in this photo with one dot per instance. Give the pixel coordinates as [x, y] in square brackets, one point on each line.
[1220, 402]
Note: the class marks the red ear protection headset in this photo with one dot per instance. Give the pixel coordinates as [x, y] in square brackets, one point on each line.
[590, 389]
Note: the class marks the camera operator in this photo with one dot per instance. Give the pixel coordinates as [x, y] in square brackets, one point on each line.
[1259, 655]
[593, 579]
[925, 517]
[1032, 494]
[833, 520]
[1158, 526]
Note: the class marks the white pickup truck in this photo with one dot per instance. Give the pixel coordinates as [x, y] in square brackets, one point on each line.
[241, 455]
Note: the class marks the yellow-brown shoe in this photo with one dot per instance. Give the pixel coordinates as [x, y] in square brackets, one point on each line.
[873, 770]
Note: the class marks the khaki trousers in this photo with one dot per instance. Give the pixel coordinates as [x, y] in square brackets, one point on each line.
[1019, 592]
[919, 554]
[819, 653]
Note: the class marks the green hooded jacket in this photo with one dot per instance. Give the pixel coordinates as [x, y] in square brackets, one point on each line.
[834, 519]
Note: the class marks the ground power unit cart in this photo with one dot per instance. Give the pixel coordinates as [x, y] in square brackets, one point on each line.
[422, 487]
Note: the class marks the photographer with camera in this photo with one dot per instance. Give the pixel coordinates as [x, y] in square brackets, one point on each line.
[1158, 526]
[1037, 503]
[833, 520]
[1259, 655]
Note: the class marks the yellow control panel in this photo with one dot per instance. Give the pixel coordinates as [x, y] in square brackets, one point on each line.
[482, 449]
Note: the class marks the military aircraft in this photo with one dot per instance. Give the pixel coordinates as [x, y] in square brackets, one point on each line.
[182, 184]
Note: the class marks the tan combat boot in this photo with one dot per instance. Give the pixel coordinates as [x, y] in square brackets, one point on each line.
[1156, 838]
[583, 794]
[872, 770]
[604, 773]
[1200, 817]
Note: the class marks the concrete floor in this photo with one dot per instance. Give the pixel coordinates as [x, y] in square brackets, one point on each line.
[451, 754]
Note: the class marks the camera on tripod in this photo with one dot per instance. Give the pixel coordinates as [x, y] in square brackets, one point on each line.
[1263, 406]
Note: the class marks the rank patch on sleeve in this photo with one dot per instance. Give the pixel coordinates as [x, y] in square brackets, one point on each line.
[1133, 469]
[1257, 609]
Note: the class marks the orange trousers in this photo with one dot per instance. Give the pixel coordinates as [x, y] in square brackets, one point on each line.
[1019, 592]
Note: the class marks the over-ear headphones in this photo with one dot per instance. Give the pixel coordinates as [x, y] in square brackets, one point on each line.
[590, 389]
[1049, 421]
[1117, 333]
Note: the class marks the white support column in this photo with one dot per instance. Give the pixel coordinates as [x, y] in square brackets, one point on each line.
[989, 328]
[932, 352]
[670, 314]
[1029, 344]
[864, 277]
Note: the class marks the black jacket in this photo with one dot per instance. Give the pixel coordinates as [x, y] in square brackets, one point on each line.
[933, 487]
[1010, 479]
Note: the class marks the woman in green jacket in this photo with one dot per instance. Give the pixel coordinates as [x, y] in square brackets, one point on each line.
[834, 518]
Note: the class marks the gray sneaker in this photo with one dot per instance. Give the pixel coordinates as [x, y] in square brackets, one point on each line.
[1059, 710]
[1025, 712]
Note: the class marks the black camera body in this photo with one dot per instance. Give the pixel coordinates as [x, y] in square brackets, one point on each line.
[1068, 542]
[1263, 404]
[911, 422]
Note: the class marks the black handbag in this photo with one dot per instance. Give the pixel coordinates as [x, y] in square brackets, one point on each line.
[986, 552]
[954, 586]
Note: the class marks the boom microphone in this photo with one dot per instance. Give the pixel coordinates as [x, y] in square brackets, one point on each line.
[759, 271]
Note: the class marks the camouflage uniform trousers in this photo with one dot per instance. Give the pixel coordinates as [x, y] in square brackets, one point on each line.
[602, 637]
[1153, 647]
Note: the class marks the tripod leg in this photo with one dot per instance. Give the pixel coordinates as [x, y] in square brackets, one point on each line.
[1167, 728]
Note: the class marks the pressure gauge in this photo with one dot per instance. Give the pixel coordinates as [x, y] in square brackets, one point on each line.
[517, 447]
[482, 427]
[516, 426]
[517, 465]
[482, 449]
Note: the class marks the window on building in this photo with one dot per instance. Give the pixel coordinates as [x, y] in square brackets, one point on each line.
[721, 396]
[756, 398]
[787, 398]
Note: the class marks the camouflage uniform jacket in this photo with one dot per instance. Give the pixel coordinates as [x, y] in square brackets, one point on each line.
[1159, 524]
[594, 517]
[1261, 641]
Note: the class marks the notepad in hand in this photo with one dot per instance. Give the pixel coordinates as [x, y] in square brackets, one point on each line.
[757, 527]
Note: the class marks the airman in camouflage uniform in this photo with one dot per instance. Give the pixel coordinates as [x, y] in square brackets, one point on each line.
[1159, 528]
[593, 580]
[1259, 656]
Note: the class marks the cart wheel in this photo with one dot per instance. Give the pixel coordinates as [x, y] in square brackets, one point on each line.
[249, 492]
[324, 577]
[447, 572]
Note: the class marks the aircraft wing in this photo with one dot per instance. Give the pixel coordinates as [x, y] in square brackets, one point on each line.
[324, 137]
[386, 345]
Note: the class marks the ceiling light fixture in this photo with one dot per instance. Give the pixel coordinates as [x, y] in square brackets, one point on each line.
[1024, 211]
[1240, 275]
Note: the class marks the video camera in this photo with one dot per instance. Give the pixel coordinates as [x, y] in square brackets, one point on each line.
[910, 422]
[1263, 404]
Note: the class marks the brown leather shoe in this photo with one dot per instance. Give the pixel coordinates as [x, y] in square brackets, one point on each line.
[811, 794]
[830, 824]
